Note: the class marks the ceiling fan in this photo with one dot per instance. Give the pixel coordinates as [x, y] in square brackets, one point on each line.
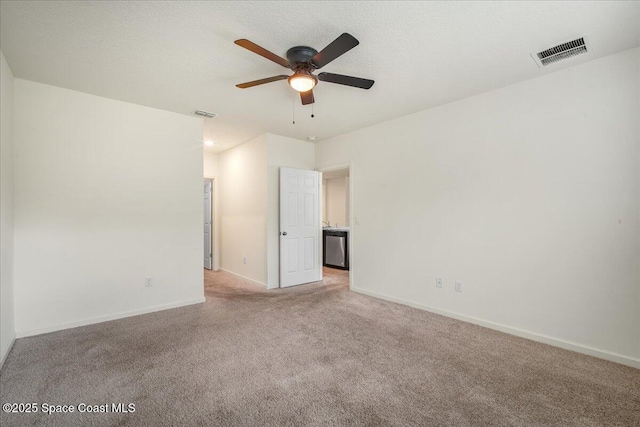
[303, 61]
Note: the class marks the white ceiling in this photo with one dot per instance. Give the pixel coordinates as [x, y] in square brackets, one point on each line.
[180, 56]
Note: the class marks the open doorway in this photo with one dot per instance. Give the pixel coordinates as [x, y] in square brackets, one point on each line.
[336, 220]
[208, 223]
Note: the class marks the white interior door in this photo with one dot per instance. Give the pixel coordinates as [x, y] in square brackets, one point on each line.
[300, 257]
[208, 189]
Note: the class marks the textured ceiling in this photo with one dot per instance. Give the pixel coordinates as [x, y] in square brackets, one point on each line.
[180, 56]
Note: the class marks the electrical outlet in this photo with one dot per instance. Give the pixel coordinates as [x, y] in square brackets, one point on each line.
[458, 286]
[438, 282]
[244, 259]
[148, 282]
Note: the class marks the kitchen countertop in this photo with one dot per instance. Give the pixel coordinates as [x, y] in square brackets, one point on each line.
[335, 228]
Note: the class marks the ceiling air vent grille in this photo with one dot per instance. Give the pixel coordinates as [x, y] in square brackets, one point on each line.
[560, 52]
[204, 113]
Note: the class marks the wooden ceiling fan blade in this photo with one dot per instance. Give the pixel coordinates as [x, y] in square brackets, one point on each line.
[346, 80]
[336, 48]
[261, 81]
[249, 45]
[307, 97]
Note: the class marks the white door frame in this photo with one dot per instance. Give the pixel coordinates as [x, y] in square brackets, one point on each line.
[215, 229]
[208, 226]
[345, 165]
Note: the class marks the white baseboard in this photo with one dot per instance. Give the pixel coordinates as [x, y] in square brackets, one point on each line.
[100, 319]
[6, 353]
[255, 282]
[557, 342]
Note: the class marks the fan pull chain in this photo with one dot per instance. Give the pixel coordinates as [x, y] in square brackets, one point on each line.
[293, 110]
[312, 115]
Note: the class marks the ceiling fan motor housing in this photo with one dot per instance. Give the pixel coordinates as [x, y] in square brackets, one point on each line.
[301, 55]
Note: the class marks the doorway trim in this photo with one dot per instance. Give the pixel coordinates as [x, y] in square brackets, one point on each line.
[333, 167]
[215, 230]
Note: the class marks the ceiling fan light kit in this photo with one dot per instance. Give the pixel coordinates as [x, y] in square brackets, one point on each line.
[303, 61]
[303, 81]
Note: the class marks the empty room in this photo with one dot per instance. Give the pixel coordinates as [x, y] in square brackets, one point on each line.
[292, 213]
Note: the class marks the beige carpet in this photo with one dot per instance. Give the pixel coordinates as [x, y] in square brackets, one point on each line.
[311, 355]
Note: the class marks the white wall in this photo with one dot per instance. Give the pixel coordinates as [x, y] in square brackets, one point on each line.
[210, 165]
[242, 199]
[249, 206]
[336, 198]
[281, 152]
[528, 194]
[106, 194]
[7, 330]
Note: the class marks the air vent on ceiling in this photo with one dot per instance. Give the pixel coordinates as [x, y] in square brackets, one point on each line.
[204, 113]
[560, 52]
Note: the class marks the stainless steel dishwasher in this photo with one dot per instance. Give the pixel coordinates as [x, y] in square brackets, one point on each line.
[336, 249]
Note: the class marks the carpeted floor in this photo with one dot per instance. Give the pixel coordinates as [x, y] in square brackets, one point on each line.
[310, 355]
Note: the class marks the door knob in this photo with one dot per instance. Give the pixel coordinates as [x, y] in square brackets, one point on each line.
[284, 233]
